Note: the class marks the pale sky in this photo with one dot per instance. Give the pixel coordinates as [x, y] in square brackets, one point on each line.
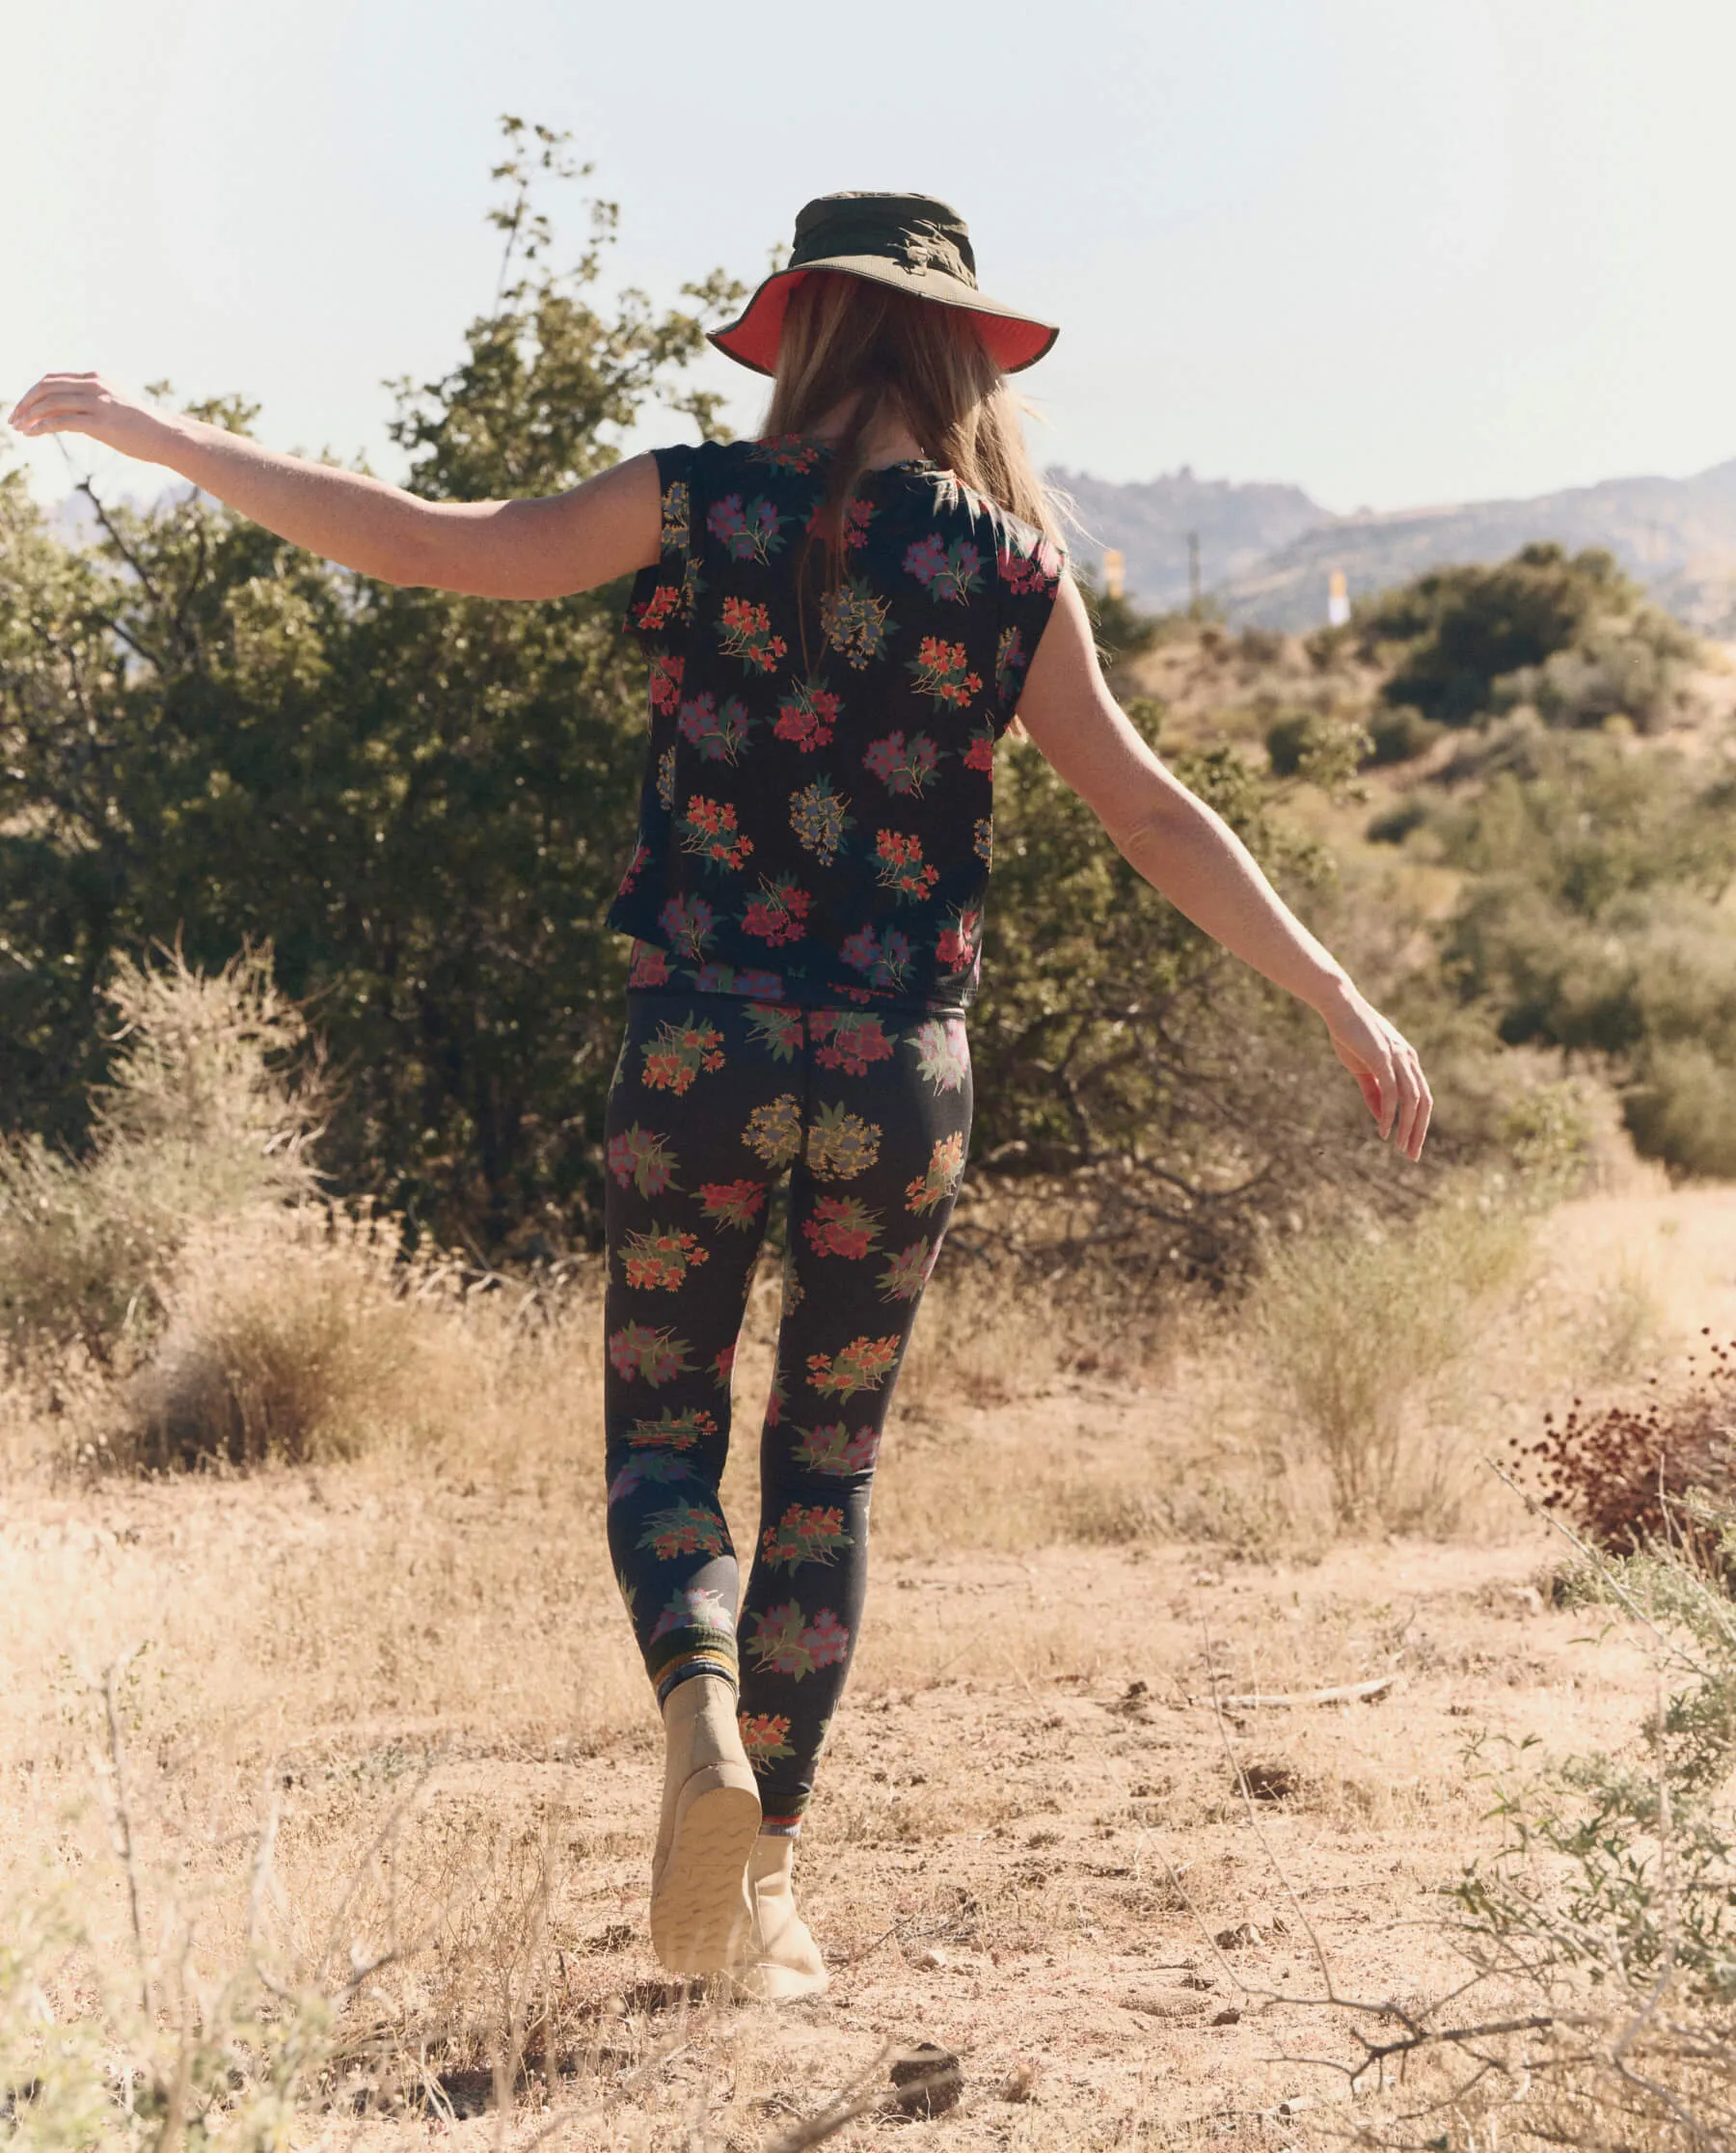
[1395, 251]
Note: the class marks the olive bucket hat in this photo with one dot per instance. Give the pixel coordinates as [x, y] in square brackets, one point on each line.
[910, 242]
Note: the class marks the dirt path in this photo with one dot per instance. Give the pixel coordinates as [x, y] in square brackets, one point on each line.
[1030, 1873]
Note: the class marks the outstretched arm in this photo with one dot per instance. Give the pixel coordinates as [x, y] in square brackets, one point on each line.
[488, 549]
[1196, 859]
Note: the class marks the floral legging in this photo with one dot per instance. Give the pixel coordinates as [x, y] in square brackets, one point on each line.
[714, 1097]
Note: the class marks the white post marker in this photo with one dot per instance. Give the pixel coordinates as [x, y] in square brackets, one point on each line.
[1337, 600]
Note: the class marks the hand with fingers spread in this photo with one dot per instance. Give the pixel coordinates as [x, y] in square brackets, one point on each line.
[1386, 1066]
[85, 403]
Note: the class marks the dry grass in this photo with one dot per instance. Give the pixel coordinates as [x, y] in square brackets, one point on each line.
[494, 1833]
[204, 1121]
[1368, 1333]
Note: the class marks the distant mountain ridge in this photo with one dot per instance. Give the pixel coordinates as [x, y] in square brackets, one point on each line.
[1268, 552]
[1239, 527]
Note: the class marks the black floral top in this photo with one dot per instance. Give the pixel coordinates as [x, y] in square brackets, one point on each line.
[816, 823]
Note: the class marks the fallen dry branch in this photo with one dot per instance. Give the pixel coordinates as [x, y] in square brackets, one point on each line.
[1418, 2036]
[1346, 1693]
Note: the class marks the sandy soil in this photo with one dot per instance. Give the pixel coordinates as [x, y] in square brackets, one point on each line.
[1031, 1873]
[1028, 1835]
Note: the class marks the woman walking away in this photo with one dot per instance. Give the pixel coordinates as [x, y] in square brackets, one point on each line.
[842, 617]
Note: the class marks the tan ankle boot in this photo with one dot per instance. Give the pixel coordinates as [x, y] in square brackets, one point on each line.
[781, 1961]
[709, 1827]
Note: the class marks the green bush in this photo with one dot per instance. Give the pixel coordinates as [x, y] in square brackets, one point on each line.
[1400, 736]
[1289, 739]
[1320, 750]
[422, 801]
[1630, 669]
[1682, 1108]
[1571, 633]
[1592, 922]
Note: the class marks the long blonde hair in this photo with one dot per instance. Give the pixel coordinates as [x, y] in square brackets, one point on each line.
[896, 357]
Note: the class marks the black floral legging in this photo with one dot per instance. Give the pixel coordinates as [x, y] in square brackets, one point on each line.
[713, 1097]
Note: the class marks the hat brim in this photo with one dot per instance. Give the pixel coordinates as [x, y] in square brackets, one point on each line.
[1014, 340]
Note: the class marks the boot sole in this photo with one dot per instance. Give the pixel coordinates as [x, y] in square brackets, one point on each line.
[699, 1914]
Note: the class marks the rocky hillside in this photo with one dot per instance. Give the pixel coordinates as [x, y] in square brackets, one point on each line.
[1240, 527]
[1268, 551]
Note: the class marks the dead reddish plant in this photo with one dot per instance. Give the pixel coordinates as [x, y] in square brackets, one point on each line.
[1621, 1473]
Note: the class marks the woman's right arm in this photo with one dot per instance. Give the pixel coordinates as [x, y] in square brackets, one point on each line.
[1196, 859]
[606, 528]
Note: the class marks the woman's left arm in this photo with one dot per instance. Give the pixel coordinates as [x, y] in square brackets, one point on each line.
[571, 541]
[1190, 854]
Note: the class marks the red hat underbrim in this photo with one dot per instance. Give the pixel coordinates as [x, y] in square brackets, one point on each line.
[1014, 340]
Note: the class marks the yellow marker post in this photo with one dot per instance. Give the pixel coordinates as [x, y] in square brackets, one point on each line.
[1115, 572]
[1337, 599]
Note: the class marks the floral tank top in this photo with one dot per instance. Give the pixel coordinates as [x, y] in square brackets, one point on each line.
[816, 819]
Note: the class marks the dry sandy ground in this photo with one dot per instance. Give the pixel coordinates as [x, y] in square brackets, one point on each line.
[1028, 1834]
[1031, 1874]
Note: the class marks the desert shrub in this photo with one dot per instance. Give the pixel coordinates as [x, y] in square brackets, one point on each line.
[1260, 646]
[1289, 739]
[1603, 1929]
[291, 1340]
[224, 2063]
[1595, 2005]
[203, 1118]
[1400, 736]
[1393, 825]
[1320, 750]
[1630, 668]
[1334, 649]
[1463, 643]
[1549, 1133]
[1592, 922]
[1682, 1107]
[1587, 822]
[1622, 1474]
[189, 1259]
[1356, 1326]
